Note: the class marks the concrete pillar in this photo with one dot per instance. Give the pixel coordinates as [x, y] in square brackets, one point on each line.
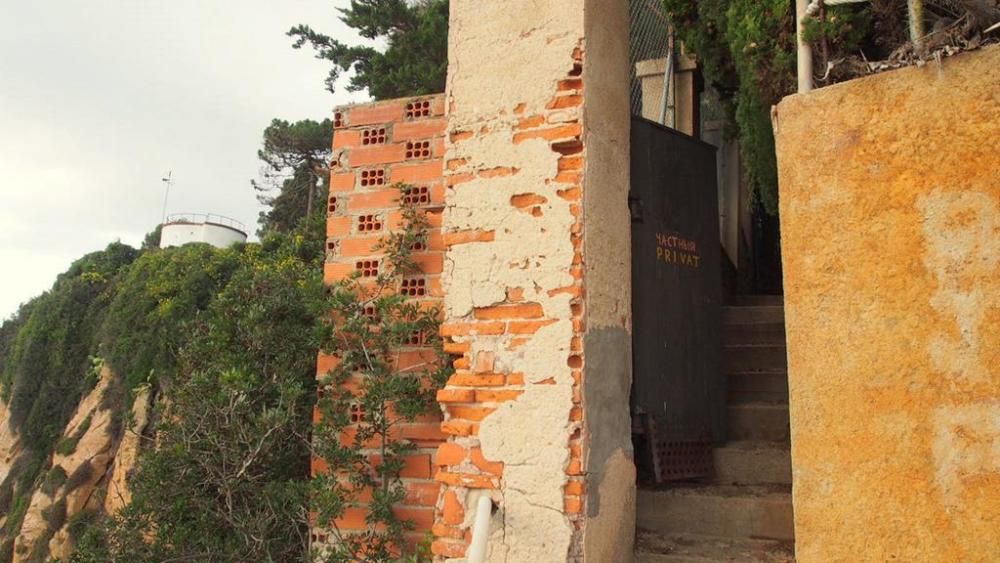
[537, 288]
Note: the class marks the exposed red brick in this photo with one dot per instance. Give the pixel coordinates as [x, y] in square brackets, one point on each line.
[422, 493]
[487, 466]
[517, 311]
[474, 414]
[346, 138]
[561, 102]
[417, 173]
[527, 327]
[466, 480]
[449, 454]
[442, 530]
[338, 226]
[485, 396]
[422, 129]
[466, 379]
[458, 428]
[550, 133]
[452, 511]
[448, 549]
[381, 200]
[456, 395]
[463, 237]
[527, 200]
[376, 114]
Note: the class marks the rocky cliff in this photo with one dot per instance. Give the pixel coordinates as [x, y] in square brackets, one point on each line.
[86, 474]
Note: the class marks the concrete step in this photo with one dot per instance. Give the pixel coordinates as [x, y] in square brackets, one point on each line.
[757, 386]
[757, 422]
[753, 333]
[651, 547]
[753, 314]
[754, 357]
[760, 512]
[753, 463]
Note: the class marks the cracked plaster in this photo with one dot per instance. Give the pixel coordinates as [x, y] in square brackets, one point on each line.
[490, 87]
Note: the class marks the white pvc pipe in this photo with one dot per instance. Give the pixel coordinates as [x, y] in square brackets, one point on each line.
[805, 59]
[480, 531]
[915, 8]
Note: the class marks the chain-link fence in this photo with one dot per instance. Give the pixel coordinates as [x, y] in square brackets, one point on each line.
[649, 40]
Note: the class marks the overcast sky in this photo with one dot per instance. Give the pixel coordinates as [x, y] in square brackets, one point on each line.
[99, 99]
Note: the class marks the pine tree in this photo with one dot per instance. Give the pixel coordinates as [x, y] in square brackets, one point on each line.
[415, 60]
[295, 157]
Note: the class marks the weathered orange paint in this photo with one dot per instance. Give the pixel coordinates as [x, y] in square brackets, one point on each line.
[890, 217]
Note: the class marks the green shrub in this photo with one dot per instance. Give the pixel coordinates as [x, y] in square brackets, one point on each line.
[80, 523]
[163, 293]
[241, 363]
[45, 361]
[66, 445]
[16, 515]
[53, 480]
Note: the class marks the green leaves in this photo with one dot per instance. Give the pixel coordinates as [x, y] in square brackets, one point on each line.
[746, 49]
[232, 335]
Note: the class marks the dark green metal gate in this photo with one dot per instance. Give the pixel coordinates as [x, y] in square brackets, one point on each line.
[678, 394]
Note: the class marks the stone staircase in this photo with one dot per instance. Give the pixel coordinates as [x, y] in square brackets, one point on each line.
[743, 513]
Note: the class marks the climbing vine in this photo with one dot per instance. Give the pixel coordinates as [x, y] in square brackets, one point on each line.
[390, 362]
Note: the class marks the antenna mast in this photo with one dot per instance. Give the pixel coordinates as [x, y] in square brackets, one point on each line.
[166, 194]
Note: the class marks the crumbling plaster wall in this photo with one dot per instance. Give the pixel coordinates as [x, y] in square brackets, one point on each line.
[890, 217]
[528, 158]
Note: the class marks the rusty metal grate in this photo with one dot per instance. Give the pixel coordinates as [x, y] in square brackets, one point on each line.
[677, 461]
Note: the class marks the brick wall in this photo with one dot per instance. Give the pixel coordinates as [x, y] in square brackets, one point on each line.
[377, 146]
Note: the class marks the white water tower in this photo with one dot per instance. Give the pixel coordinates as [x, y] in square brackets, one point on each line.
[218, 230]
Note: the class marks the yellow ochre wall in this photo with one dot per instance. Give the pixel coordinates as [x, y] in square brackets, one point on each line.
[890, 217]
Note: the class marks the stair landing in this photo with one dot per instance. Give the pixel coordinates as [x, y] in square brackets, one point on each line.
[744, 513]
